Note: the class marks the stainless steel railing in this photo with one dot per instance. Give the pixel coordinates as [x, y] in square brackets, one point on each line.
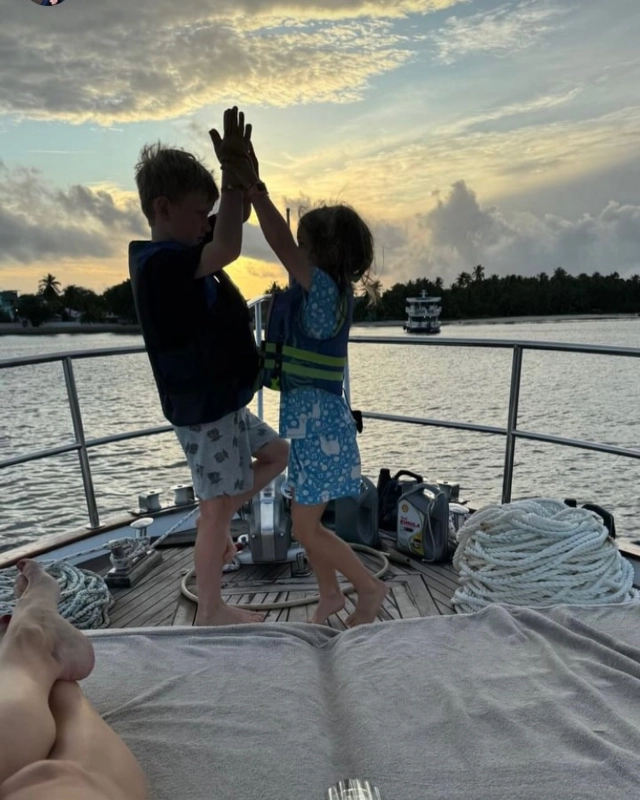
[511, 432]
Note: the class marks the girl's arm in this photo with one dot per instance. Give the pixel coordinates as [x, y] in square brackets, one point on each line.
[279, 237]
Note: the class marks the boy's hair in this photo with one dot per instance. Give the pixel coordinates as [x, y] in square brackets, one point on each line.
[340, 242]
[168, 172]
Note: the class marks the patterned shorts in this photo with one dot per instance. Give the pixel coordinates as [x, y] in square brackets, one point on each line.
[219, 453]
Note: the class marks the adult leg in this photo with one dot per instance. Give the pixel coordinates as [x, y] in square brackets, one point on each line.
[322, 544]
[88, 761]
[38, 648]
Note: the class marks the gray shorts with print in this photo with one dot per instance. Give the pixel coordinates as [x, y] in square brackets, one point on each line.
[219, 453]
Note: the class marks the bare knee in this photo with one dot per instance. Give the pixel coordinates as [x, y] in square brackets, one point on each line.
[55, 780]
[215, 512]
[276, 453]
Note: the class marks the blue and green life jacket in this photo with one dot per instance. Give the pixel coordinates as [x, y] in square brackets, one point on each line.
[292, 359]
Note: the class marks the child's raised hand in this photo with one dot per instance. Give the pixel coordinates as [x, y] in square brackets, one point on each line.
[254, 158]
[233, 148]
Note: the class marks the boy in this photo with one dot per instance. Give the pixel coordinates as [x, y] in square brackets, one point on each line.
[197, 331]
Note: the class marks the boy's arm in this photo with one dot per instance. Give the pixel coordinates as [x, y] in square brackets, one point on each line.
[280, 239]
[246, 206]
[226, 245]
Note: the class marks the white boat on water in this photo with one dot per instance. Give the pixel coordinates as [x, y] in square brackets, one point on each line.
[423, 314]
[512, 701]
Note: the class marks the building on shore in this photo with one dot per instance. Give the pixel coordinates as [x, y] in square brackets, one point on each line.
[8, 303]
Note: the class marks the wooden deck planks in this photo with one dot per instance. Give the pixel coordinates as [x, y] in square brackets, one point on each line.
[417, 590]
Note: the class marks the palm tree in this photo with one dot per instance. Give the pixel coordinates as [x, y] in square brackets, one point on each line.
[375, 288]
[50, 287]
[464, 279]
[478, 273]
[439, 284]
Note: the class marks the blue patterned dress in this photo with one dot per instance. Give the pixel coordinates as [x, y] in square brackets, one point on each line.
[324, 461]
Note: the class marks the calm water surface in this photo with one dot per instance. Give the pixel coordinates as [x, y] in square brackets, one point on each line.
[585, 397]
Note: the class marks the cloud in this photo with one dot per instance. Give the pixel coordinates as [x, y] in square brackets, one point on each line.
[81, 233]
[86, 230]
[122, 62]
[459, 233]
[500, 31]
[522, 108]
[395, 175]
[38, 221]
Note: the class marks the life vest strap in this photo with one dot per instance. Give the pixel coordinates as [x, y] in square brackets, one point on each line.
[305, 372]
[277, 351]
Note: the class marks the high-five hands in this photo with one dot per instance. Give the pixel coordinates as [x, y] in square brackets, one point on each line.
[234, 149]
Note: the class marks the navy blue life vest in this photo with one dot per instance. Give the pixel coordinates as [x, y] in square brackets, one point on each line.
[291, 359]
[216, 371]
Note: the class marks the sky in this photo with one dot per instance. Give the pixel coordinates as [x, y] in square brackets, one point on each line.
[501, 133]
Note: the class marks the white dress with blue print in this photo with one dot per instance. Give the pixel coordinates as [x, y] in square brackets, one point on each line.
[324, 461]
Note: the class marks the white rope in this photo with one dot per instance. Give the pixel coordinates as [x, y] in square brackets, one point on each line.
[85, 599]
[539, 553]
[84, 596]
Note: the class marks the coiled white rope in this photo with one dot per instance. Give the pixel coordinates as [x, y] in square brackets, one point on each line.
[539, 553]
[85, 599]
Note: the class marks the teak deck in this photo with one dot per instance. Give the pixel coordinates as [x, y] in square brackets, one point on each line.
[417, 590]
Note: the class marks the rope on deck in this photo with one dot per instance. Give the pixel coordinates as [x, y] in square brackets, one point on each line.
[539, 553]
[85, 599]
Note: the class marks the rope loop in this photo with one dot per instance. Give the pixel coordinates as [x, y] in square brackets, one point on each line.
[539, 553]
[85, 599]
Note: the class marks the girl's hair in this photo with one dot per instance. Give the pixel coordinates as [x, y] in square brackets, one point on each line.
[340, 243]
[166, 172]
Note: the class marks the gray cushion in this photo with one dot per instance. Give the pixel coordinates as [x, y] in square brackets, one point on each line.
[503, 704]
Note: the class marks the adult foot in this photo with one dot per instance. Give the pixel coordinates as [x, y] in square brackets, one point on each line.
[369, 603]
[228, 615]
[36, 624]
[328, 605]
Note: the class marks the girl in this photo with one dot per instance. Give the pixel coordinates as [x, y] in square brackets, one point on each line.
[306, 351]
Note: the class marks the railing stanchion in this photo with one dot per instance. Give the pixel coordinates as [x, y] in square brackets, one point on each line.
[78, 430]
[347, 383]
[512, 424]
[258, 334]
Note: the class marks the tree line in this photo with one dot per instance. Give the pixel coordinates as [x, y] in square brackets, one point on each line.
[474, 296]
[471, 296]
[74, 303]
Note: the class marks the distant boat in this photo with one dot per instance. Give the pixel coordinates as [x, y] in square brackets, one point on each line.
[423, 314]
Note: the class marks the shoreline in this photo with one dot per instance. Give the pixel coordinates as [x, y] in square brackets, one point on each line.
[15, 329]
[506, 320]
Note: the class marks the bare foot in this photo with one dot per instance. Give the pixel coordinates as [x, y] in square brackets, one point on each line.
[228, 615]
[327, 606]
[368, 605]
[37, 624]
